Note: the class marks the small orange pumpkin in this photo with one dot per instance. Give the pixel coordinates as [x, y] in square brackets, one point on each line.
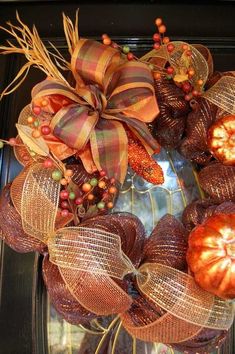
[221, 140]
[211, 255]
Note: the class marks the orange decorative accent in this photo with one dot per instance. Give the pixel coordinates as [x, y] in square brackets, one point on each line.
[211, 255]
[221, 140]
[142, 163]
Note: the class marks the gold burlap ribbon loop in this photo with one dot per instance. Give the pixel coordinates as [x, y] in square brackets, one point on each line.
[222, 94]
[39, 202]
[177, 293]
[161, 56]
[89, 250]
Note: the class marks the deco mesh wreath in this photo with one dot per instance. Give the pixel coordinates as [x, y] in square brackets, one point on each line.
[75, 141]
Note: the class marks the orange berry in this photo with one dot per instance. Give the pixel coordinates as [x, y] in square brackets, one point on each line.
[185, 47]
[200, 82]
[90, 196]
[191, 72]
[156, 75]
[158, 21]
[30, 119]
[107, 41]
[44, 103]
[86, 187]
[166, 40]
[112, 190]
[68, 173]
[102, 184]
[36, 134]
[110, 205]
[162, 29]
[63, 181]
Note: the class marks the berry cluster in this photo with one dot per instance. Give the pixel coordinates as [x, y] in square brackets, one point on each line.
[99, 191]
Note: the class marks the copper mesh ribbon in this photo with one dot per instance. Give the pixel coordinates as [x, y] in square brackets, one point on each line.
[166, 329]
[39, 202]
[177, 293]
[222, 94]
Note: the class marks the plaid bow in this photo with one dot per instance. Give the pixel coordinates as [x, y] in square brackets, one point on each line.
[110, 93]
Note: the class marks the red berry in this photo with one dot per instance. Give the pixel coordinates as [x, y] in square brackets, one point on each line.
[45, 130]
[130, 56]
[195, 93]
[64, 204]
[64, 213]
[64, 194]
[156, 37]
[170, 47]
[186, 87]
[37, 110]
[156, 45]
[112, 181]
[12, 141]
[102, 173]
[170, 70]
[187, 97]
[78, 201]
[188, 53]
[114, 45]
[48, 163]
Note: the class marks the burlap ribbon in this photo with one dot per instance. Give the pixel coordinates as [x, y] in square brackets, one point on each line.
[90, 258]
[110, 91]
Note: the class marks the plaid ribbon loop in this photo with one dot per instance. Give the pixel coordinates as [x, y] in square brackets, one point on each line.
[115, 92]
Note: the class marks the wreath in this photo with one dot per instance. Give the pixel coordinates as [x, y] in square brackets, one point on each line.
[90, 119]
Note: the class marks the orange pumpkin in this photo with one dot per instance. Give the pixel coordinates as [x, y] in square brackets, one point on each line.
[221, 140]
[211, 255]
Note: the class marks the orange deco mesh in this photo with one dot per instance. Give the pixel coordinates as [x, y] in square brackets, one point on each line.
[39, 202]
[87, 258]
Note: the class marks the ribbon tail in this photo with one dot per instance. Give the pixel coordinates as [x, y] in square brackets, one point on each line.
[140, 129]
[87, 159]
[109, 146]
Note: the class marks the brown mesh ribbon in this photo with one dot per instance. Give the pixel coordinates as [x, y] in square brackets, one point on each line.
[194, 146]
[61, 297]
[218, 181]
[196, 212]
[11, 229]
[167, 244]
